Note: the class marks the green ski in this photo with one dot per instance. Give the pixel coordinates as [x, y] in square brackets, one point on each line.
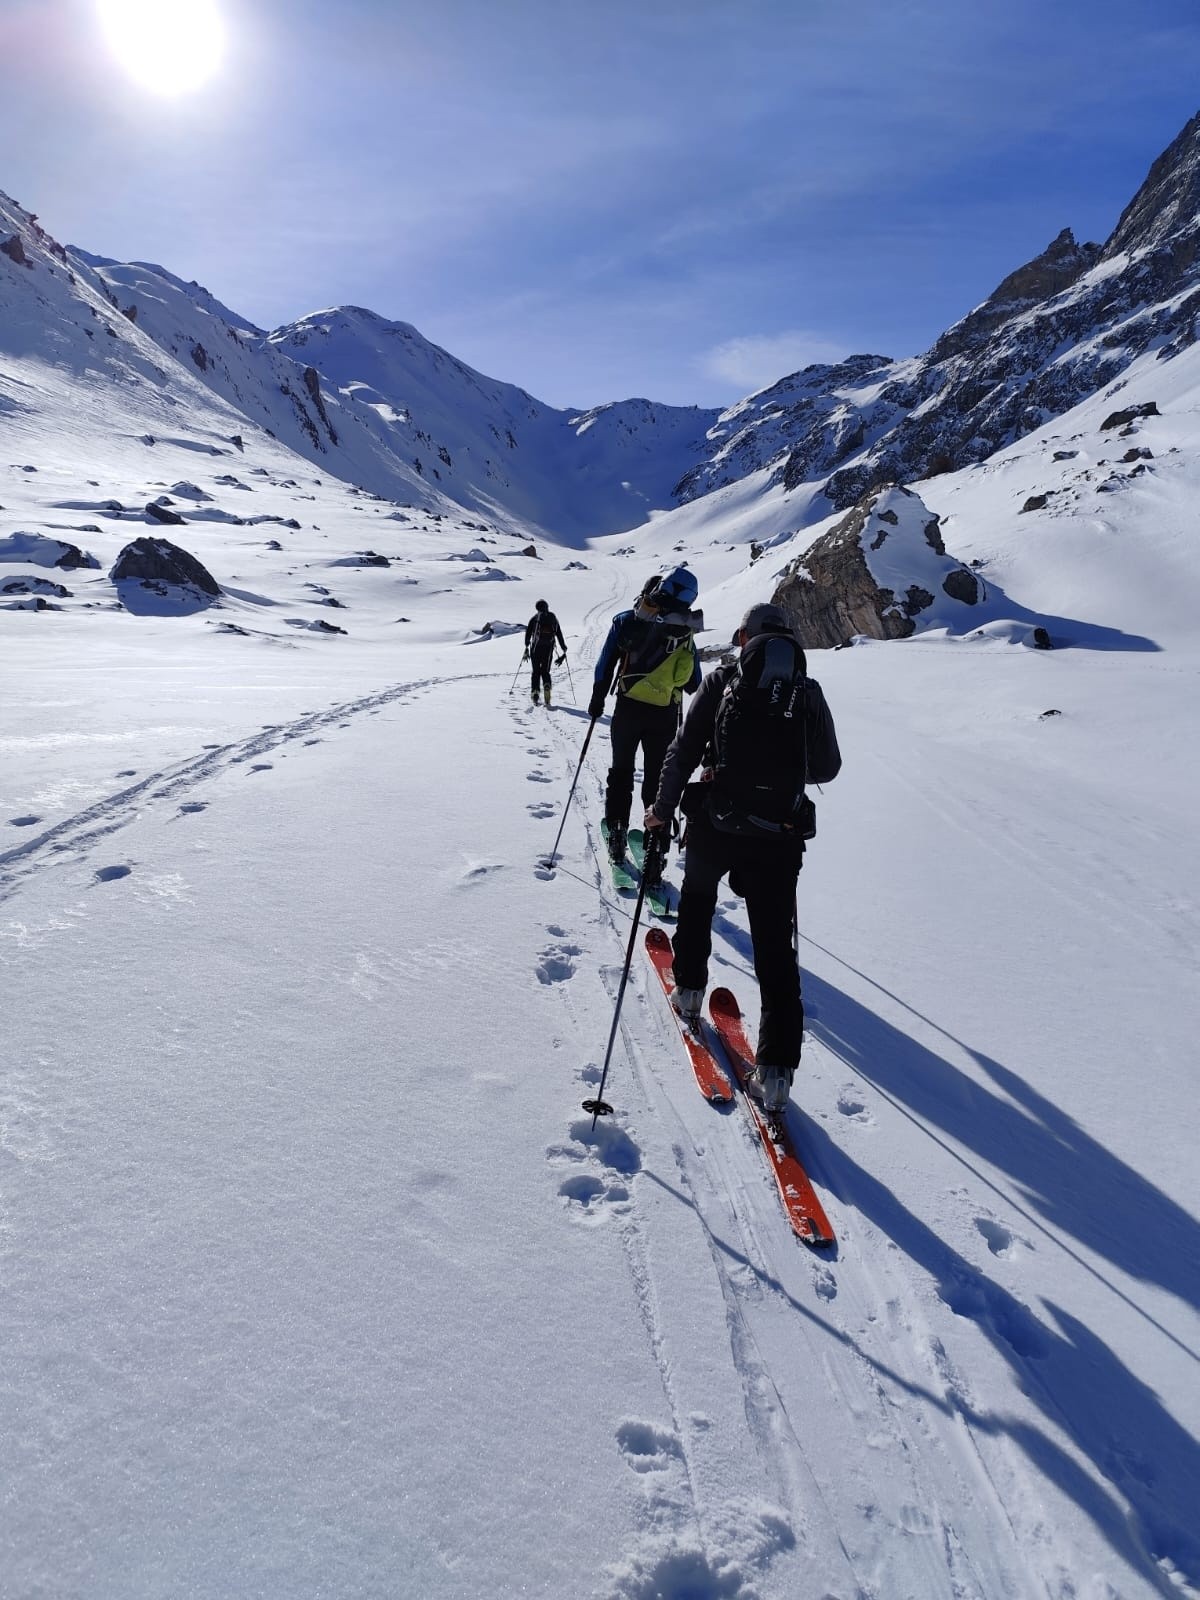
[658, 894]
[622, 878]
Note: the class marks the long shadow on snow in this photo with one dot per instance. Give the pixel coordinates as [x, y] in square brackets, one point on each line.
[1079, 1384]
[1065, 632]
[1077, 1381]
[1061, 1171]
[1082, 1388]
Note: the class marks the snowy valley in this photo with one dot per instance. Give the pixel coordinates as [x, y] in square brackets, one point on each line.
[316, 1279]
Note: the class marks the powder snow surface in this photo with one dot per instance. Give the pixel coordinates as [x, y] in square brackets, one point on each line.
[314, 1278]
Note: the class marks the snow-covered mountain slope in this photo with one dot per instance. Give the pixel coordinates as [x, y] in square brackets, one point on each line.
[365, 400]
[491, 446]
[372, 402]
[1078, 528]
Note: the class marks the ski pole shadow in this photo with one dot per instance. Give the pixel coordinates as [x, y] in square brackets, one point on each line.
[1144, 1458]
[1061, 1172]
[1086, 1192]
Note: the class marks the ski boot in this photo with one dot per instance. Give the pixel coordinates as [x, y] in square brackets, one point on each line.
[617, 833]
[686, 1004]
[771, 1087]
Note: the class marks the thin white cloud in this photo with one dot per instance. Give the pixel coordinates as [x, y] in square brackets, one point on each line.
[757, 359]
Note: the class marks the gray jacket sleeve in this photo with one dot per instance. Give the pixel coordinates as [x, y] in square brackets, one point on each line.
[824, 757]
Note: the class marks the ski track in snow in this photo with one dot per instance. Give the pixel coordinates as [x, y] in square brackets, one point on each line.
[73, 839]
[862, 1343]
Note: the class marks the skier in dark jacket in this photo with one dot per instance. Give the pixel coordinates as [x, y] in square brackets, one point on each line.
[541, 631]
[762, 856]
[651, 656]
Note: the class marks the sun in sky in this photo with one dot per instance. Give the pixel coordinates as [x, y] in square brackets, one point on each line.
[167, 46]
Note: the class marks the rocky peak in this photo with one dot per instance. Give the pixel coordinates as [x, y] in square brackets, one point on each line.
[1168, 203]
[1060, 264]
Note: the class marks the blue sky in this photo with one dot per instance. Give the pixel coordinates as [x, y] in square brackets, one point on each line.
[672, 198]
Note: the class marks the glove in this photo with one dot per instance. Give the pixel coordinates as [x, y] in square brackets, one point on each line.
[596, 704]
[525, 657]
[561, 659]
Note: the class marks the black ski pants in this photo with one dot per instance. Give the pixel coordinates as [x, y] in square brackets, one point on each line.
[635, 723]
[766, 871]
[540, 658]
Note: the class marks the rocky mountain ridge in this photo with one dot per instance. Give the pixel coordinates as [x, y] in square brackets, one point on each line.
[371, 401]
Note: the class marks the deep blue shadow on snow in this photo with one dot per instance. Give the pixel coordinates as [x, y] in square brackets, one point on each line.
[1061, 1172]
[1065, 632]
[1082, 1387]
[147, 597]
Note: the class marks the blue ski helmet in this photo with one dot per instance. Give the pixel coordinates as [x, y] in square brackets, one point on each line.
[680, 586]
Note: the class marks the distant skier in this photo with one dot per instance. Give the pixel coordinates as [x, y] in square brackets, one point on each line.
[762, 729]
[540, 633]
[650, 653]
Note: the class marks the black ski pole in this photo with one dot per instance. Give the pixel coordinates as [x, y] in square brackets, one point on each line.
[563, 662]
[517, 673]
[599, 1107]
[550, 859]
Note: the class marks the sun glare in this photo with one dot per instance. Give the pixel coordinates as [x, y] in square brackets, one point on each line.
[168, 46]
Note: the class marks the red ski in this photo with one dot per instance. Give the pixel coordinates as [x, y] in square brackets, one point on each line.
[714, 1085]
[804, 1210]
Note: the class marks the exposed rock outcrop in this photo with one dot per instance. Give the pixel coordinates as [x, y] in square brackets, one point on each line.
[881, 571]
[161, 513]
[158, 561]
[1064, 325]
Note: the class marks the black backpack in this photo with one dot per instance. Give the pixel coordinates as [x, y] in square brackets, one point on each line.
[759, 748]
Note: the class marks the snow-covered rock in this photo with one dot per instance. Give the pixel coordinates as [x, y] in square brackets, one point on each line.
[882, 571]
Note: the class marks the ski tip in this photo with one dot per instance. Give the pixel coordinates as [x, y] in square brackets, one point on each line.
[656, 939]
[721, 1002]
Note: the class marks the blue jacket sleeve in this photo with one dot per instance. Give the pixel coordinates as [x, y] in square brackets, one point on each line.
[606, 662]
[697, 677]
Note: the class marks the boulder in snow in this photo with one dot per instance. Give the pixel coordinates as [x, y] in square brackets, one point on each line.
[160, 513]
[162, 572]
[39, 551]
[882, 571]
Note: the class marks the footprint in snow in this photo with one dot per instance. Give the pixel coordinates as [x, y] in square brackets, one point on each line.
[1000, 1240]
[313, 741]
[851, 1106]
[612, 1146]
[647, 1448]
[540, 809]
[190, 807]
[262, 766]
[111, 874]
[825, 1283]
[28, 822]
[131, 772]
[557, 963]
[539, 777]
[602, 1163]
